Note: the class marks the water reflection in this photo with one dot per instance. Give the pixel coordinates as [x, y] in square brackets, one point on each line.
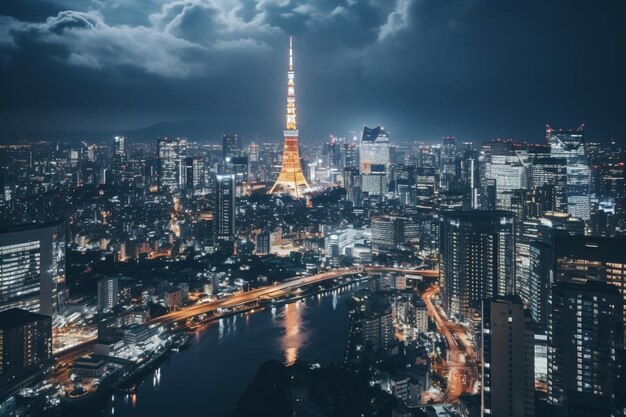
[293, 337]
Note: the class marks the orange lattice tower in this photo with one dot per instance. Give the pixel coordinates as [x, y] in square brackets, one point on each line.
[291, 180]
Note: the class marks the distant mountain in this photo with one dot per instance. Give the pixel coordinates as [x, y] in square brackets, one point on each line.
[191, 129]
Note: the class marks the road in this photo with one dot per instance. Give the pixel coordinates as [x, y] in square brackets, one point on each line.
[460, 365]
[274, 291]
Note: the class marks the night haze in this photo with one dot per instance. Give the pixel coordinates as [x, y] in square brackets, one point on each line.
[474, 69]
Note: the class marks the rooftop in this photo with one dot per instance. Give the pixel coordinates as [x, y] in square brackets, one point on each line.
[16, 317]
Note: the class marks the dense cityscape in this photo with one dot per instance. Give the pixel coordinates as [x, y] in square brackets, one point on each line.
[358, 275]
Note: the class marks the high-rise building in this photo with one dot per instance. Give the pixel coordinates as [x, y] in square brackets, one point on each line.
[120, 147]
[477, 259]
[387, 233]
[570, 144]
[585, 332]
[508, 376]
[352, 183]
[582, 258]
[194, 174]
[231, 146]
[449, 167]
[224, 208]
[291, 180]
[374, 159]
[553, 172]
[108, 294]
[170, 163]
[540, 280]
[25, 342]
[32, 267]
[502, 162]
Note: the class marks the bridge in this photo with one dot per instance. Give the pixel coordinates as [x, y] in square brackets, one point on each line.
[278, 290]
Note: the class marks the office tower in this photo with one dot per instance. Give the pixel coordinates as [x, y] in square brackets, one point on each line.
[291, 180]
[477, 259]
[585, 332]
[231, 146]
[540, 280]
[470, 176]
[501, 162]
[570, 144]
[387, 233]
[426, 184]
[193, 174]
[170, 154]
[32, 267]
[487, 194]
[25, 342]
[352, 183]
[239, 168]
[120, 148]
[224, 208]
[405, 184]
[508, 375]
[351, 158]
[581, 258]
[449, 167]
[374, 159]
[108, 294]
[551, 171]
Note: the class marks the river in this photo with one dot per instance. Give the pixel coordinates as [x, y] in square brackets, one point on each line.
[208, 377]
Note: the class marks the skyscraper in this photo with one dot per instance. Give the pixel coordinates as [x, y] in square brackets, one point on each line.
[551, 171]
[477, 259]
[507, 358]
[570, 144]
[291, 180]
[193, 180]
[387, 233]
[585, 332]
[32, 267]
[108, 294]
[501, 162]
[582, 258]
[170, 163]
[449, 175]
[224, 208]
[120, 147]
[231, 146]
[25, 342]
[374, 160]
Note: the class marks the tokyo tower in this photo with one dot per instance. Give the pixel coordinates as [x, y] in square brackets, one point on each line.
[291, 180]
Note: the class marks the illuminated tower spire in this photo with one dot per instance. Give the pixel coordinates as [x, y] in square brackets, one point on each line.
[291, 180]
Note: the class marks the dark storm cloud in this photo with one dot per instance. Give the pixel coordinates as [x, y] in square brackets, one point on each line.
[425, 68]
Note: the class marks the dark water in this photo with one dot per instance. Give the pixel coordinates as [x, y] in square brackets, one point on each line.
[208, 378]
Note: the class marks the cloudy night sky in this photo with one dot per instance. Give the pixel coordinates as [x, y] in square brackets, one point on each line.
[475, 69]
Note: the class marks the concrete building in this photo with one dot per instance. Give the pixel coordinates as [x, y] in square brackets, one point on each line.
[477, 259]
[25, 342]
[32, 267]
[108, 294]
[585, 331]
[508, 374]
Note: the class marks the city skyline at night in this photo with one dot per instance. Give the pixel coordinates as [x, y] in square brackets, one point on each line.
[436, 227]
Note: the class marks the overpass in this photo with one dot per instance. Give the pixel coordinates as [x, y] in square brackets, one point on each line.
[278, 290]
